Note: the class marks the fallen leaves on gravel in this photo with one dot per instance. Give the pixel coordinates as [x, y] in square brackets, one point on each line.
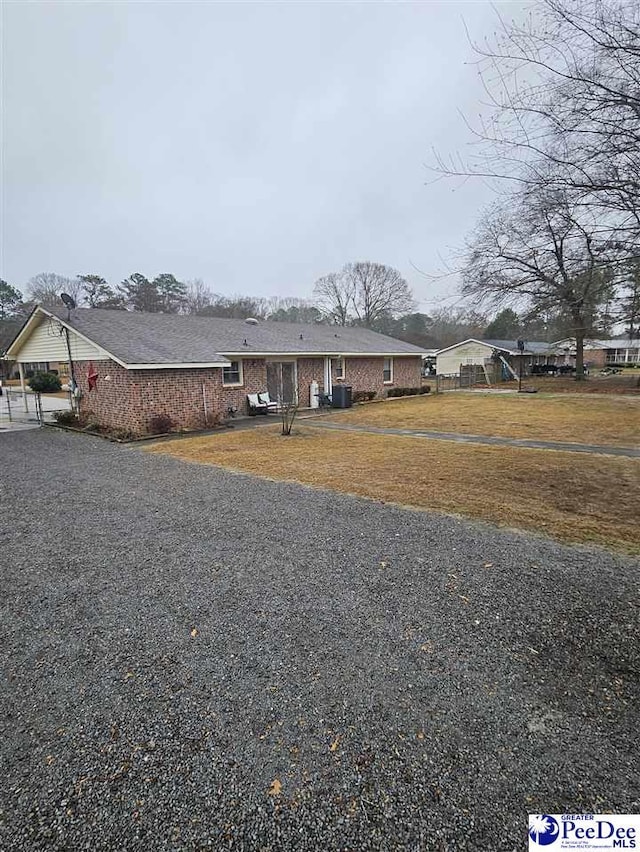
[276, 787]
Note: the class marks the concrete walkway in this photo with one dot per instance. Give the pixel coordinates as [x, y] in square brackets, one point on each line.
[14, 417]
[628, 452]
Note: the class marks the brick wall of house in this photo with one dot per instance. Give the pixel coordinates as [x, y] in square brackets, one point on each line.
[111, 403]
[309, 369]
[365, 374]
[360, 373]
[129, 399]
[595, 357]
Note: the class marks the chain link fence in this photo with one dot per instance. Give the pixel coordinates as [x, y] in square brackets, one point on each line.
[19, 410]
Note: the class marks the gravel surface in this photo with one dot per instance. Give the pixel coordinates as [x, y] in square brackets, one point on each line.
[200, 660]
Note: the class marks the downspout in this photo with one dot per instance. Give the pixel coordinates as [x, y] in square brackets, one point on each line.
[204, 405]
[327, 376]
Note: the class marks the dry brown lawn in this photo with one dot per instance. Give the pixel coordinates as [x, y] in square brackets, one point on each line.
[625, 382]
[576, 498]
[591, 420]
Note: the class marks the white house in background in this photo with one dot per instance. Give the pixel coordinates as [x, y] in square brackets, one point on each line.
[480, 353]
[621, 350]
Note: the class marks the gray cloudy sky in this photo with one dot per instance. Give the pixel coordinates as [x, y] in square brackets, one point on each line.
[255, 145]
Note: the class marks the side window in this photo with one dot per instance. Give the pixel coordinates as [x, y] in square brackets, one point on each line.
[387, 371]
[232, 375]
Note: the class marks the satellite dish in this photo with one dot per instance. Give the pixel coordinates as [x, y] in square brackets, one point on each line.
[251, 321]
[68, 300]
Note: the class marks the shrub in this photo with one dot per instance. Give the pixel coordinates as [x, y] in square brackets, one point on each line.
[425, 389]
[405, 392]
[363, 396]
[45, 383]
[66, 418]
[159, 424]
[122, 434]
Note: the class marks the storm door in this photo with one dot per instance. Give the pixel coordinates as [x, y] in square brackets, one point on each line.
[281, 380]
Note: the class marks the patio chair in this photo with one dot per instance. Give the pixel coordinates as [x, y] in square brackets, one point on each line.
[254, 406]
[324, 400]
[265, 399]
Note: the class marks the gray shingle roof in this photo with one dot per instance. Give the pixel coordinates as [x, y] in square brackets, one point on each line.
[140, 338]
[619, 343]
[531, 346]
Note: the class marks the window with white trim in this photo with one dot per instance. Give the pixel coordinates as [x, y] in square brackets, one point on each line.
[232, 375]
[387, 371]
[338, 366]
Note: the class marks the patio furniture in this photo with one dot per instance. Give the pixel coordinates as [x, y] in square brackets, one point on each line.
[265, 399]
[324, 400]
[254, 406]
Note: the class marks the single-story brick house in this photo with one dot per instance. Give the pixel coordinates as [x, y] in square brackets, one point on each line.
[194, 369]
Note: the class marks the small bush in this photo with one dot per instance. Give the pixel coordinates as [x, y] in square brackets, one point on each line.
[363, 396]
[405, 392]
[122, 434]
[45, 383]
[425, 389]
[160, 424]
[66, 418]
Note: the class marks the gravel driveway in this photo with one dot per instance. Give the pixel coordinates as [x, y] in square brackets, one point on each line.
[196, 659]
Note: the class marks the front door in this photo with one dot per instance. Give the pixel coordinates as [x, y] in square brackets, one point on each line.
[281, 380]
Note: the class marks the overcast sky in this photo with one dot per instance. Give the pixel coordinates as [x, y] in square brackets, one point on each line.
[254, 145]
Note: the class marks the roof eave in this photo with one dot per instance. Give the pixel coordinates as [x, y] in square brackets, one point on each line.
[323, 353]
[29, 322]
[178, 366]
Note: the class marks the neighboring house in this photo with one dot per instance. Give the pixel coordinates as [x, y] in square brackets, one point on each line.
[481, 353]
[597, 353]
[621, 350]
[194, 369]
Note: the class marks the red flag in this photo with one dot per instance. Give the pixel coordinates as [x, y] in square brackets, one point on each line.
[92, 376]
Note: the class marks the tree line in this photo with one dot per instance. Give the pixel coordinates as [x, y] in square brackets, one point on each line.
[361, 294]
[561, 147]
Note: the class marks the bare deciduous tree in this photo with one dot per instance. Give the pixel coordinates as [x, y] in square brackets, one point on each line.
[451, 325]
[379, 291]
[198, 296]
[335, 295]
[540, 251]
[363, 293]
[235, 307]
[564, 99]
[46, 287]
